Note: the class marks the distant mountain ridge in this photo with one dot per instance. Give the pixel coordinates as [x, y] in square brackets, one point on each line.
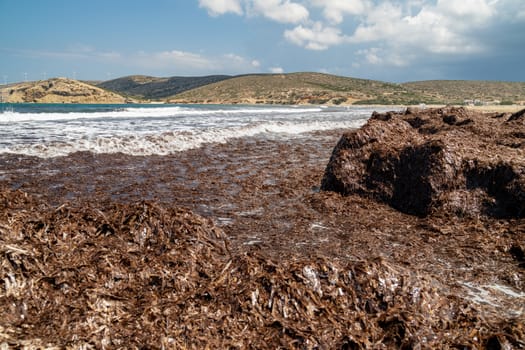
[290, 88]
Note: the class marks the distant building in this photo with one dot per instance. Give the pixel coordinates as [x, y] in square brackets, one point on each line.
[477, 102]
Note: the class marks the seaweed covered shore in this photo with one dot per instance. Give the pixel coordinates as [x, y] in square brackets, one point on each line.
[236, 246]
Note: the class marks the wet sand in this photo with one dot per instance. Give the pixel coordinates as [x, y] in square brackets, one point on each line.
[265, 196]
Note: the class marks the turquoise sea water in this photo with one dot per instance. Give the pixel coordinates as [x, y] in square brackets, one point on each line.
[49, 130]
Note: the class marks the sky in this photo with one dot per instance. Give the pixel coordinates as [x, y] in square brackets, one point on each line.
[388, 40]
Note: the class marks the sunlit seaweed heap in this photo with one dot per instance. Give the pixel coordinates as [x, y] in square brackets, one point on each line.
[146, 276]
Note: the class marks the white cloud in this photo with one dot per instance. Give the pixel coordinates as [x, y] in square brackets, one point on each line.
[193, 63]
[315, 37]
[283, 11]
[220, 7]
[474, 11]
[386, 32]
[276, 70]
[378, 56]
[335, 10]
[371, 55]
[445, 28]
[177, 60]
[165, 62]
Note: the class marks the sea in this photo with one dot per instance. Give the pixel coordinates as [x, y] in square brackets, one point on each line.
[52, 130]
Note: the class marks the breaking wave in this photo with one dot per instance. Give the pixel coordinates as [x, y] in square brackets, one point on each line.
[153, 130]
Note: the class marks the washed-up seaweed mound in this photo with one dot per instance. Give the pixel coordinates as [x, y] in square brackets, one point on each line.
[102, 278]
[144, 276]
[446, 160]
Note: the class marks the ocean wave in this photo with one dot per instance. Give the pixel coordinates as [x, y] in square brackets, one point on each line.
[50, 131]
[173, 141]
[10, 116]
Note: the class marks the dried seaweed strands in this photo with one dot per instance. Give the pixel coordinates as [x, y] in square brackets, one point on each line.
[142, 275]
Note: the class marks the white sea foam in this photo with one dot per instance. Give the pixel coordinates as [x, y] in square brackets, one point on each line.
[151, 112]
[160, 130]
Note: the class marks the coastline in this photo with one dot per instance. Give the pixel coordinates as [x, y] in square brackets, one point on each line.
[253, 103]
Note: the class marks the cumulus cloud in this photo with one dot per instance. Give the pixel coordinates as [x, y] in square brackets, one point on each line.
[335, 10]
[385, 32]
[283, 11]
[220, 7]
[473, 11]
[444, 28]
[315, 37]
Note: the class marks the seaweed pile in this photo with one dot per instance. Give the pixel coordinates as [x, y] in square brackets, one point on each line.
[236, 247]
[141, 275]
[446, 159]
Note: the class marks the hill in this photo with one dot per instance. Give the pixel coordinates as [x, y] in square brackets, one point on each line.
[317, 88]
[457, 91]
[146, 87]
[293, 88]
[58, 90]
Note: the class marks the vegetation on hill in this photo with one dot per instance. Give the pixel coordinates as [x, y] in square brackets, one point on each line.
[145, 87]
[58, 90]
[317, 88]
[457, 91]
[293, 88]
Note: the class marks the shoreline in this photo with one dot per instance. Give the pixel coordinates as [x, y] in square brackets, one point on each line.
[484, 108]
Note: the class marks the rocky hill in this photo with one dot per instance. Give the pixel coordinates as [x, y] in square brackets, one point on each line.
[59, 90]
[146, 87]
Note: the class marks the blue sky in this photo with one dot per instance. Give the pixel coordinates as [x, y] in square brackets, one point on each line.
[387, 40]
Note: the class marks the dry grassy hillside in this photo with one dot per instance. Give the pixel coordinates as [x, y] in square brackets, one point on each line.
[457, 91]
[58, 90]
[317, 88]
[295, 88]
[146, 87]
